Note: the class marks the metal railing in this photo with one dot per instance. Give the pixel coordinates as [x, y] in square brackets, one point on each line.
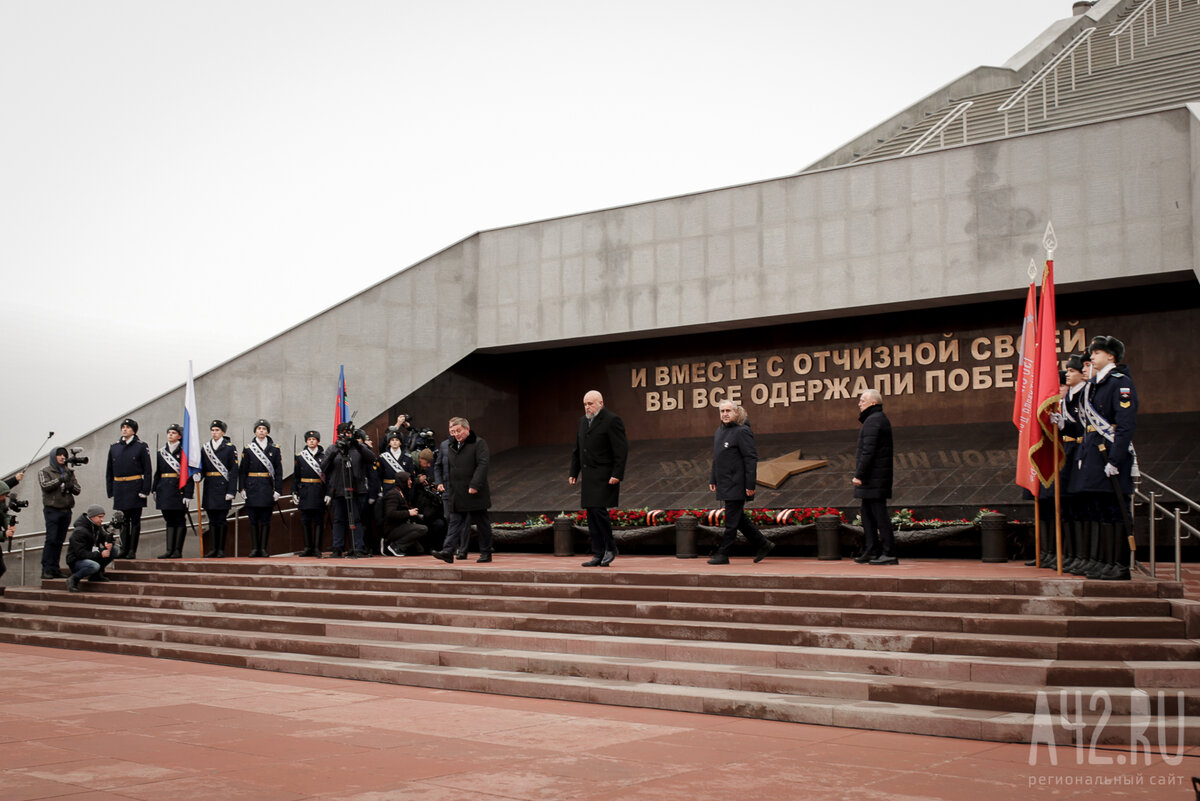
[1159, 511]
[1147, 12]
[940, 129]
[1039, 79]
[26, 547]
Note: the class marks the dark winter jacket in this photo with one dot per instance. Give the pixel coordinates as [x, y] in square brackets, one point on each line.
[467, 468]
[600, 453]
[873, 456]
[86, 541]
[735, 462]
[362, 461]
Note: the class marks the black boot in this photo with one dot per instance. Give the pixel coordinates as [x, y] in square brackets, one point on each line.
[221, 532]
[214, 541]
[169, 536]
[1079, 536]
[180, 536]
[317, 530]
[1104, 533]
[264, 537]
[1116, 568]
[255, 540]
[135, 534]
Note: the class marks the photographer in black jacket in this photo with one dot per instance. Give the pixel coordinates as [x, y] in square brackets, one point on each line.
[347, 466]
[90, 549]
[59, 488]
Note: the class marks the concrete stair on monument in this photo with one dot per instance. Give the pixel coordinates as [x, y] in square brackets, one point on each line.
[1165, 72]
[956, 683]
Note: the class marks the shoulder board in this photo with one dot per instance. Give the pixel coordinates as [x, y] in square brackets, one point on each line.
[1115, 374]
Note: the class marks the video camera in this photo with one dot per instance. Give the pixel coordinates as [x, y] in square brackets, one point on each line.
[112, 528]
[74, 460]
[15, 505]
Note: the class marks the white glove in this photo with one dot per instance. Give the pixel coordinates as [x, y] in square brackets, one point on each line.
[142, 495]
[229, 497]
[327, 500]
[1110, 469]
[187, 503]
[370, 501]
[1057, 419]
[295, 499]
[276, 494]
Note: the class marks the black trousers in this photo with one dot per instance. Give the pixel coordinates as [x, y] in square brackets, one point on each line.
[735, 521]
[57, 521]
[600, 531]
[877, 527]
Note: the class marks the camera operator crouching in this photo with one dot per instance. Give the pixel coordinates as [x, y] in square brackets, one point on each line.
[92, 546]
[59, 488]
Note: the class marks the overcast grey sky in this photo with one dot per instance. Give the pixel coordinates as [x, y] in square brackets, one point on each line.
[182, 180]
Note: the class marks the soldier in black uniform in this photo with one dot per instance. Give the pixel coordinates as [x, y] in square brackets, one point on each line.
[128, 482]
[219, 469]
[262, 482]
[392, 461]
[170, 498]
[308, 492]
[1109, 408]
[347, 466]
[1070, 423]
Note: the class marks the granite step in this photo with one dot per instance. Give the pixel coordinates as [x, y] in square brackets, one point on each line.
[972, 694]
[982, 724]
[723, 612]
[271, 612]
[843, 599]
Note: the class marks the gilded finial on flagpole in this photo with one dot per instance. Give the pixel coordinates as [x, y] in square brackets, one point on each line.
[1049, 241]
[1032, 271]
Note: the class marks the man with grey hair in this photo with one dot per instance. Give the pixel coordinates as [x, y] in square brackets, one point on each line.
[873, 480]
[598, 464]
[466, 483]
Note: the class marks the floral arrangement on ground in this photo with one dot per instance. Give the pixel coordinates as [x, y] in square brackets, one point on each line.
[649, 518]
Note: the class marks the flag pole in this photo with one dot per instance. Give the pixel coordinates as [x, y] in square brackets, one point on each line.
[1037, 513]
[1050, 243]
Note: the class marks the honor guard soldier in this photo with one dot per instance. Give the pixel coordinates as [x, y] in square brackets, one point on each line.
[1105, 459]
[261, 482]
[308, 492]
[392, 461]
[170, 498]
[128, 482]
[1072, 427]
[219, 469]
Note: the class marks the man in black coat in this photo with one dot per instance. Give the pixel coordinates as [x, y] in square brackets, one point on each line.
[598, 464]
[873, 480]
[466, 482]
[90, 548]
[128, 480]
[348, 466]
[734, 478]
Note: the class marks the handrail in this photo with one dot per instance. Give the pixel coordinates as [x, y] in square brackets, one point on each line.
[940, 128]
[1039, 78]
[1182, 530]
[1148, 8]
[26, 547]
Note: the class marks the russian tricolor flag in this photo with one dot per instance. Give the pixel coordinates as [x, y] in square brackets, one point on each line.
[191, 434]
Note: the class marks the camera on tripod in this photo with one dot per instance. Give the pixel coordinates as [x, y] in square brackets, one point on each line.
[15, 505]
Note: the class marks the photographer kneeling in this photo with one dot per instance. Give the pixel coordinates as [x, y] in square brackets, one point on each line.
[401, 532]
[90, 548]
[59, 488]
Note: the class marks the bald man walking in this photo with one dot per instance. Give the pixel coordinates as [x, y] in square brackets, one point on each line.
[598, 464]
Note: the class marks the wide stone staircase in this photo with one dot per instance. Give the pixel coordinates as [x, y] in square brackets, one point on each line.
[1164, 71]
[991, 659]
